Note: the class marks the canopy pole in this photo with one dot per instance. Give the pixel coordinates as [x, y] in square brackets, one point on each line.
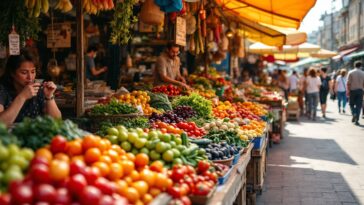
[80, 90]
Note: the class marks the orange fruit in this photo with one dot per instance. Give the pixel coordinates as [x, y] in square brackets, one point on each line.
[92, 155]
[154, 191]
[148, 176]
[121, 187]
[74, 148]
[141, 186]
[161, 181]
[90, 141]
[44, 153]
[113, 155]
[147, 198]
[59, 170]
[104, 144]
[139, 202]
[131, 156]
[103, 168]
[141, 160]
[128, 166]
[78, 157]
[134, 175]
[128, 180]
[116, 171]
[106, 159]
[118, 149]
[62, 157]
[132, 195]
[156, 166]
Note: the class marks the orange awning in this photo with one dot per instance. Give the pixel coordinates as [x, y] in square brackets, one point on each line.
[287, 13]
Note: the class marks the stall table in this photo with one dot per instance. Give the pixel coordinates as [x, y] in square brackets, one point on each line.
[234, 190]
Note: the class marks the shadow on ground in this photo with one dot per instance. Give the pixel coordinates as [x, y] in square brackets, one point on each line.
[302, 186]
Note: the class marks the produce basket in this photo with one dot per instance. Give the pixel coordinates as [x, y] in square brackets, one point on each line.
[222, 180]
[227, 162]
[258, 142]
[202, 200]
[94, 121]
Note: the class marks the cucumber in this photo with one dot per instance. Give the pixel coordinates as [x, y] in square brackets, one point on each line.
[201, 142]
[184, 160]
[184, 138]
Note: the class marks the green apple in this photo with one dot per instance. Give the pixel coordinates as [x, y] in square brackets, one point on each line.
[132, 137]
[154, 155]
[27, 153]
[123, 136]
[112, 131]
[4, 153]
[140, 142]
[168, 156]
[126, 146]
[113, 139]
[160, 147]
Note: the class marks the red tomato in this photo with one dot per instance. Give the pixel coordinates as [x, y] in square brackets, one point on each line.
[45, 193]
[91, 174]
[177, 174]
[39, 160]
[203, 166]
[58, 144]
[76, 184]
[90, 195]
[4, 199]
[40, 173]
[175, 191]
[211, 176]
[106, 200]
[186, 201]
[62, 197]
[104, 186]
[202, 189]
[77, 167]
[21, 194]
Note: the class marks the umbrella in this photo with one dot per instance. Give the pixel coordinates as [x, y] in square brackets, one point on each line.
[287, 13]
[323, 53]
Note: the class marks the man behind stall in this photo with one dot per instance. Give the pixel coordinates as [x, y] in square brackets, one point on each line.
[168, 68]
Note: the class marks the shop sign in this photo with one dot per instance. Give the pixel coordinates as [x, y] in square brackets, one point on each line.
[60, 37]
[14, 43]
[180, 36]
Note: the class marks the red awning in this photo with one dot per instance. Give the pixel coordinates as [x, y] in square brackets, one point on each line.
[344, 53]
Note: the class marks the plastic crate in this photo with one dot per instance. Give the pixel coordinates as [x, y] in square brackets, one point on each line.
[258, 142]
[223, 180]
[237, 156]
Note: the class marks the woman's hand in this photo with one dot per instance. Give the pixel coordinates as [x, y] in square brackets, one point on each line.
[49, 89]
[30, 91]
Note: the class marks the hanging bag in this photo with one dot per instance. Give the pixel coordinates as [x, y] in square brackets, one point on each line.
[151, 13]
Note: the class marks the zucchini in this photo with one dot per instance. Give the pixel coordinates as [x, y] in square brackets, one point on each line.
[184, 138]
[200, 142]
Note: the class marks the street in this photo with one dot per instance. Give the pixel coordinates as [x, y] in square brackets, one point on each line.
[318, 162]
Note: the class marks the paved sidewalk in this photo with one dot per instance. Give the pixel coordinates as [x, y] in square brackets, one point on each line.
[318, 162]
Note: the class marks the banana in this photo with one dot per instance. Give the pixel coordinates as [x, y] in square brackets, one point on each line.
[37, 8]
[31, 4]
[45, 6]
[26, 2]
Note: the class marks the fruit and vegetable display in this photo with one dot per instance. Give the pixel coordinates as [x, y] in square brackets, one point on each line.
[14, 162]
[141, 122]
[221, 151]
[255, 108]
[167, 117]
[160, 101]
[221, 124]
[38, 132]
[170, 148]
[201, 105]
[221, 169]
[138, 98]
[114, 107]
[256, 128]
[231, 137]
[169, 90]
[191, 129]
[166, 128]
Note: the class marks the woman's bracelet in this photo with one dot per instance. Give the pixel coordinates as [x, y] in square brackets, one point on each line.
[49, 99]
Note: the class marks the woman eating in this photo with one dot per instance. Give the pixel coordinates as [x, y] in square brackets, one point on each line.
[21, 96]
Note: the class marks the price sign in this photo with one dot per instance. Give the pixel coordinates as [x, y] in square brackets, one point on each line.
[60, 37]
[14, 43]
[180, 34]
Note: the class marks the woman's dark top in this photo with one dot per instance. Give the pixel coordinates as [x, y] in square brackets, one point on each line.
[31, 108]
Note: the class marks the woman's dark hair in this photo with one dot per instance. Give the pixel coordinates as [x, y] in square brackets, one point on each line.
[312, 73]
[12, 64]
[92, 48]
[324, 69]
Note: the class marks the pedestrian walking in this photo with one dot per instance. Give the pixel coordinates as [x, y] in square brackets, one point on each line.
[302, 92]
[340, 90]
[283, 83]
[313, 83]
[293, 82]
[355, 87]
[324, 90]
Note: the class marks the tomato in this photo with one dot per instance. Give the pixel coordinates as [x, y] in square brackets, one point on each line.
[90, 141]
[22, 194]
[40, 173]
[132, 195]
[211, 176]
[105, 186]
[190, 170]
[4, 199]
[62, 197]
[77, 167]
[59, 170]
[74, 148]
[141, 160]
[185, 189]
[58, 144]
[76, 184]
[177, 174]
[90, 195]
[91, 174]
[185, 200]
[103, 168]
[156, 166]
[45, 193]
[202, 189]
[175, 191]
[141, 186]
[116, 171]
[203, 166]
[39, 160]
[148, 176]
[44, 153]
[128, 166]
[92, 155]
[106, 200]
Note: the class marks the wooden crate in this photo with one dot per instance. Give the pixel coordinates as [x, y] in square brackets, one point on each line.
[256, 169]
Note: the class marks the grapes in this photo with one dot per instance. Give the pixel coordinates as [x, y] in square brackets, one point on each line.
[179, 114]
[184, 112]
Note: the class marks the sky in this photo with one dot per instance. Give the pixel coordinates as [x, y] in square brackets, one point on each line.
[312, 20]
